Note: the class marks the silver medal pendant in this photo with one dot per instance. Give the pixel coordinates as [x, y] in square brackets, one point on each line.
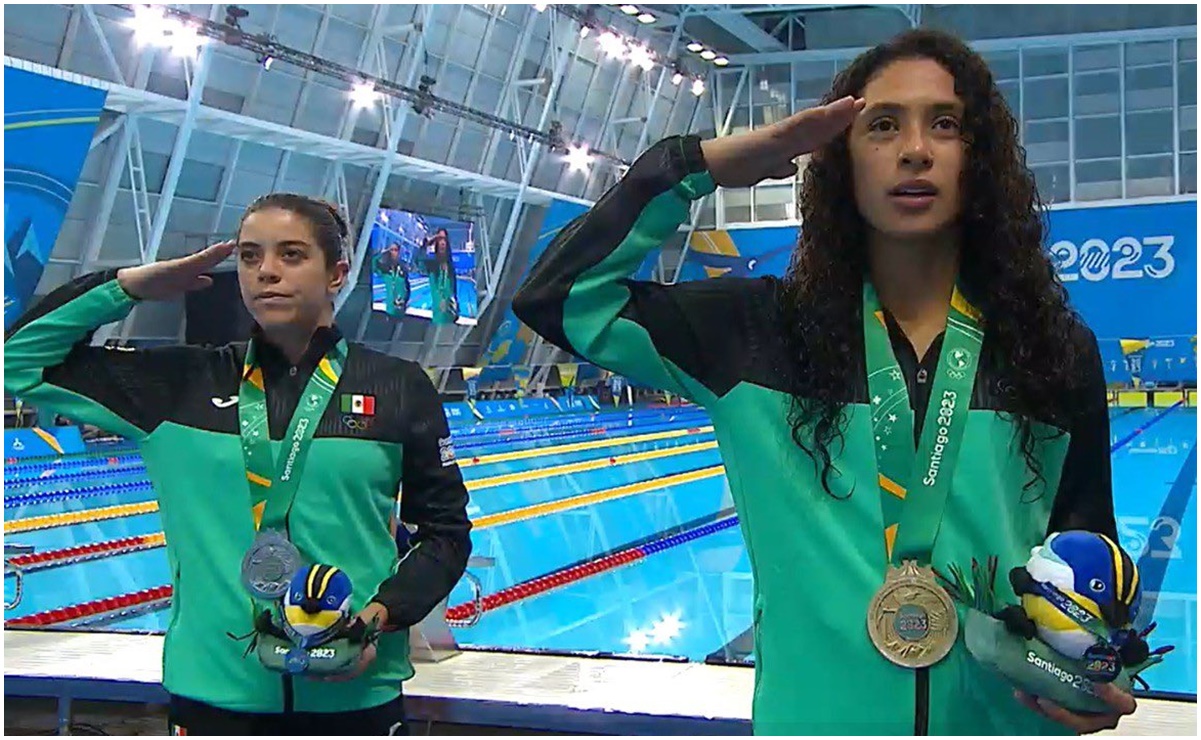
[269, 565]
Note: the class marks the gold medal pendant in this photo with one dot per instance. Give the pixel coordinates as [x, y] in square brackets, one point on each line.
[911, 619]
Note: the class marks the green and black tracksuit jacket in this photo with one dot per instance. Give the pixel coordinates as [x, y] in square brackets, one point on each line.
[180, 404]
[817, 559]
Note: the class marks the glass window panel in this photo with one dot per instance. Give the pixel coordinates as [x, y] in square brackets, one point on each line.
[1054, 183]
[1188, 173]
[1041, 132]
[1004, 64]
[813, 78]
[1149, 87]
[1186, 86]
[1098, 137]
[738, 214]
[1009, 90]
[1188, 49]
[1147, 176]
[1149, 132]
[765, 115]
[1097, 93]
[1188, 128]
[707, 218]
[1099, 180]
[1148, 52]
[1044, 62]
[1046, 141]
[741, 120]
[812, 89]
[737, 197]
[1096, 57]
[771, 84]
[775, 202]
[1046, 98]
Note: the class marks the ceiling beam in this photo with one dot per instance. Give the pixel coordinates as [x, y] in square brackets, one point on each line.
[1136, 35]
[746, 31]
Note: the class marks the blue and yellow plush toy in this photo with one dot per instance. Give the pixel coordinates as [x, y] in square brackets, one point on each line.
[316, 605]
[1097, 576]
[309, 630]
[1080, 597]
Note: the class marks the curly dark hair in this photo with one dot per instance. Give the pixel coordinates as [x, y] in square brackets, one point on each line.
[1004, 269]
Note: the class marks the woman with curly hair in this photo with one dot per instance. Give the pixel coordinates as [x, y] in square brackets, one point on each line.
[914, 393]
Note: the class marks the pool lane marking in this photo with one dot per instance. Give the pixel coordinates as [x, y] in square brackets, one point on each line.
[595, 444]
[1133, 435]
[584, 466]
[85, 516]
[596, 497]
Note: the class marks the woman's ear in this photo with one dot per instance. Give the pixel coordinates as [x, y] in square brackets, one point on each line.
[337, 276]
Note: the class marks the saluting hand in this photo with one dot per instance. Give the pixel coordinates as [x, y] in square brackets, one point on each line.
[162, 281]
[748, 158]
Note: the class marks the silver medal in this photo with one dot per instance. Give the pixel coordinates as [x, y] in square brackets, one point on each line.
[269, 565]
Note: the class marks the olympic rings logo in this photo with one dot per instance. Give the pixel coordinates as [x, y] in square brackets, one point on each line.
[359, 425]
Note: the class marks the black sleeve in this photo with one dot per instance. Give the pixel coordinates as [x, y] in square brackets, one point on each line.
[434, 499]
[50, 363]
[1085, 497]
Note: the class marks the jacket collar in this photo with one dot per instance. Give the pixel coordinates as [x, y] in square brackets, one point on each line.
[274, 361]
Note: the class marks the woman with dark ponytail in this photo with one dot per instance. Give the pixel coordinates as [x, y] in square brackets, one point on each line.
[277, 464]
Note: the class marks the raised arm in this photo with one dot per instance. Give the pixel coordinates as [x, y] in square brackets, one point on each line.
[580, 295]
[49, 362]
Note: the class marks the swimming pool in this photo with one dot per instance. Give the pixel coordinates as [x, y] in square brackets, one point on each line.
[608, 533]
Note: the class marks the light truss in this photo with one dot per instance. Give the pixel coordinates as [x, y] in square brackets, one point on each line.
[152, 106]
[263, 46]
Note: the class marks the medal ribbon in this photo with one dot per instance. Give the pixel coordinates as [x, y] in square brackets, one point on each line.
[279, 489]
[1073, 611]
[914, 484]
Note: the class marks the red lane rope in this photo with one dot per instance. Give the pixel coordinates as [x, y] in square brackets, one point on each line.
[80, 553]
[96, 608]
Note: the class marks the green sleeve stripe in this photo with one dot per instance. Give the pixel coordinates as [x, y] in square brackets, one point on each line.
[46, 342]
[592, 318]
[78, 407]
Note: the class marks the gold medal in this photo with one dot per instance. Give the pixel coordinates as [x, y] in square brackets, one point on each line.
[911, 619]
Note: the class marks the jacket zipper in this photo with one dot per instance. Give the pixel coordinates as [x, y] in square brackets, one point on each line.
[289, 689]
[289, 699]
[921, 719]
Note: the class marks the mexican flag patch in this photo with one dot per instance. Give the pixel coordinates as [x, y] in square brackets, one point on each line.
[356, 404]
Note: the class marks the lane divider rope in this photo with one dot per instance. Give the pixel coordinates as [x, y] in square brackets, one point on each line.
[89, 612]
[35, 561]
[43, 497]
[86, 516]
[574, 574]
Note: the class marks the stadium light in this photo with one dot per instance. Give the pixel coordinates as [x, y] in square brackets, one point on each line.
[363, 94]
[578, 158]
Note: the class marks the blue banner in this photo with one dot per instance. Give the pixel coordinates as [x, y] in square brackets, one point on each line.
[38, 442]
[1130, 270]
[48, 128]
[512, 338]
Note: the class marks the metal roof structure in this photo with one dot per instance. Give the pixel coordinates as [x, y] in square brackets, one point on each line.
[473, 109]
